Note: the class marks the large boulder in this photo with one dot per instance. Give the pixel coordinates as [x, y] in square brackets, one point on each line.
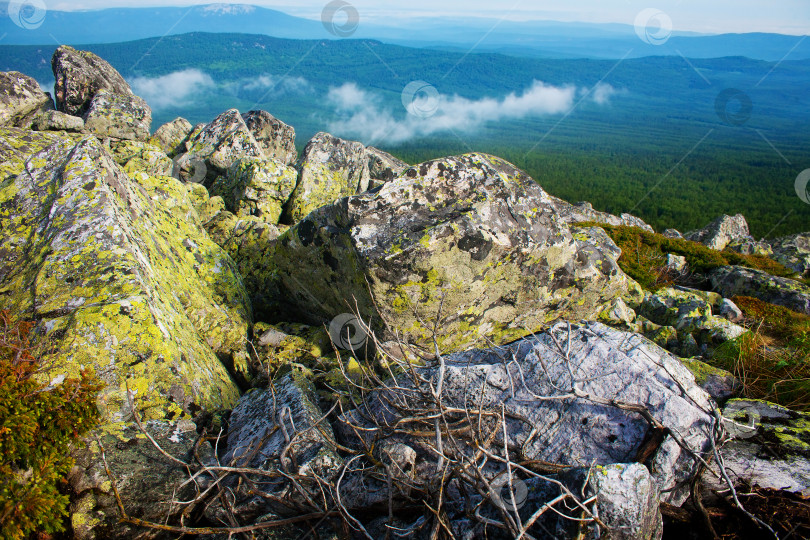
[21, 100]
[171, 136]
[469, 246]
[122, 116]
[80, 75]
[330, 168]
[276, 138]
[721, 232]
[794, 252]
[570, 396]
[584, 211]
[212, 150]
[120, 276]
[256, 187]
[733, 281]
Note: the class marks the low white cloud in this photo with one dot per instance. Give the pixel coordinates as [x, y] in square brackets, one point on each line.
[602, 93]
[361, 113]
[172, 90]
[276, 85]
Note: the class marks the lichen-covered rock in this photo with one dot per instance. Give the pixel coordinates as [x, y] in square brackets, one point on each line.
[276, 138]
[58, 121]
[470, 236]
[718, 383]
[794, 252]
[557, 391]
[672, 233]
[256, 187]
[584, 211]
[80, 75]
[17, 145]
[733, 281]
[278, 428]
[618, 313]
[137, 156]
[382, 166]
[122, 116]
[749, 246]
[721, 232]
[330, 168]
[250, 241]
[171, 136]
[21, 100]
[690, 312]
[771, 447]
[219, 145]
[121, 277]
[147, 482]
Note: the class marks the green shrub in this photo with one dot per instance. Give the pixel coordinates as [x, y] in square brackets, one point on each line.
[644, 256]
[38, 424]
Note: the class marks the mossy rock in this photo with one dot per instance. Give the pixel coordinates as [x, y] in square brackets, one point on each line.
[469, 240]
[122, 278]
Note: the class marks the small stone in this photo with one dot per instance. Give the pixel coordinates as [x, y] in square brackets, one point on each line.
[730, 311]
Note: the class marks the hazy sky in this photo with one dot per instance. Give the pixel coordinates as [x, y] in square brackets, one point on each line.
[711, 16]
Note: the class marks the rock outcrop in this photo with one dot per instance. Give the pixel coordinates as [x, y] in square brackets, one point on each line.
[470, 241]
[204, 272]
[733, 281]
[721, 232]
[330, 169]
[21, 100]
[121, 277]
[80, 75]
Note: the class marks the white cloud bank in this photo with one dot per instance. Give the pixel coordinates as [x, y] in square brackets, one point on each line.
[172, 90]
[362, 115]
